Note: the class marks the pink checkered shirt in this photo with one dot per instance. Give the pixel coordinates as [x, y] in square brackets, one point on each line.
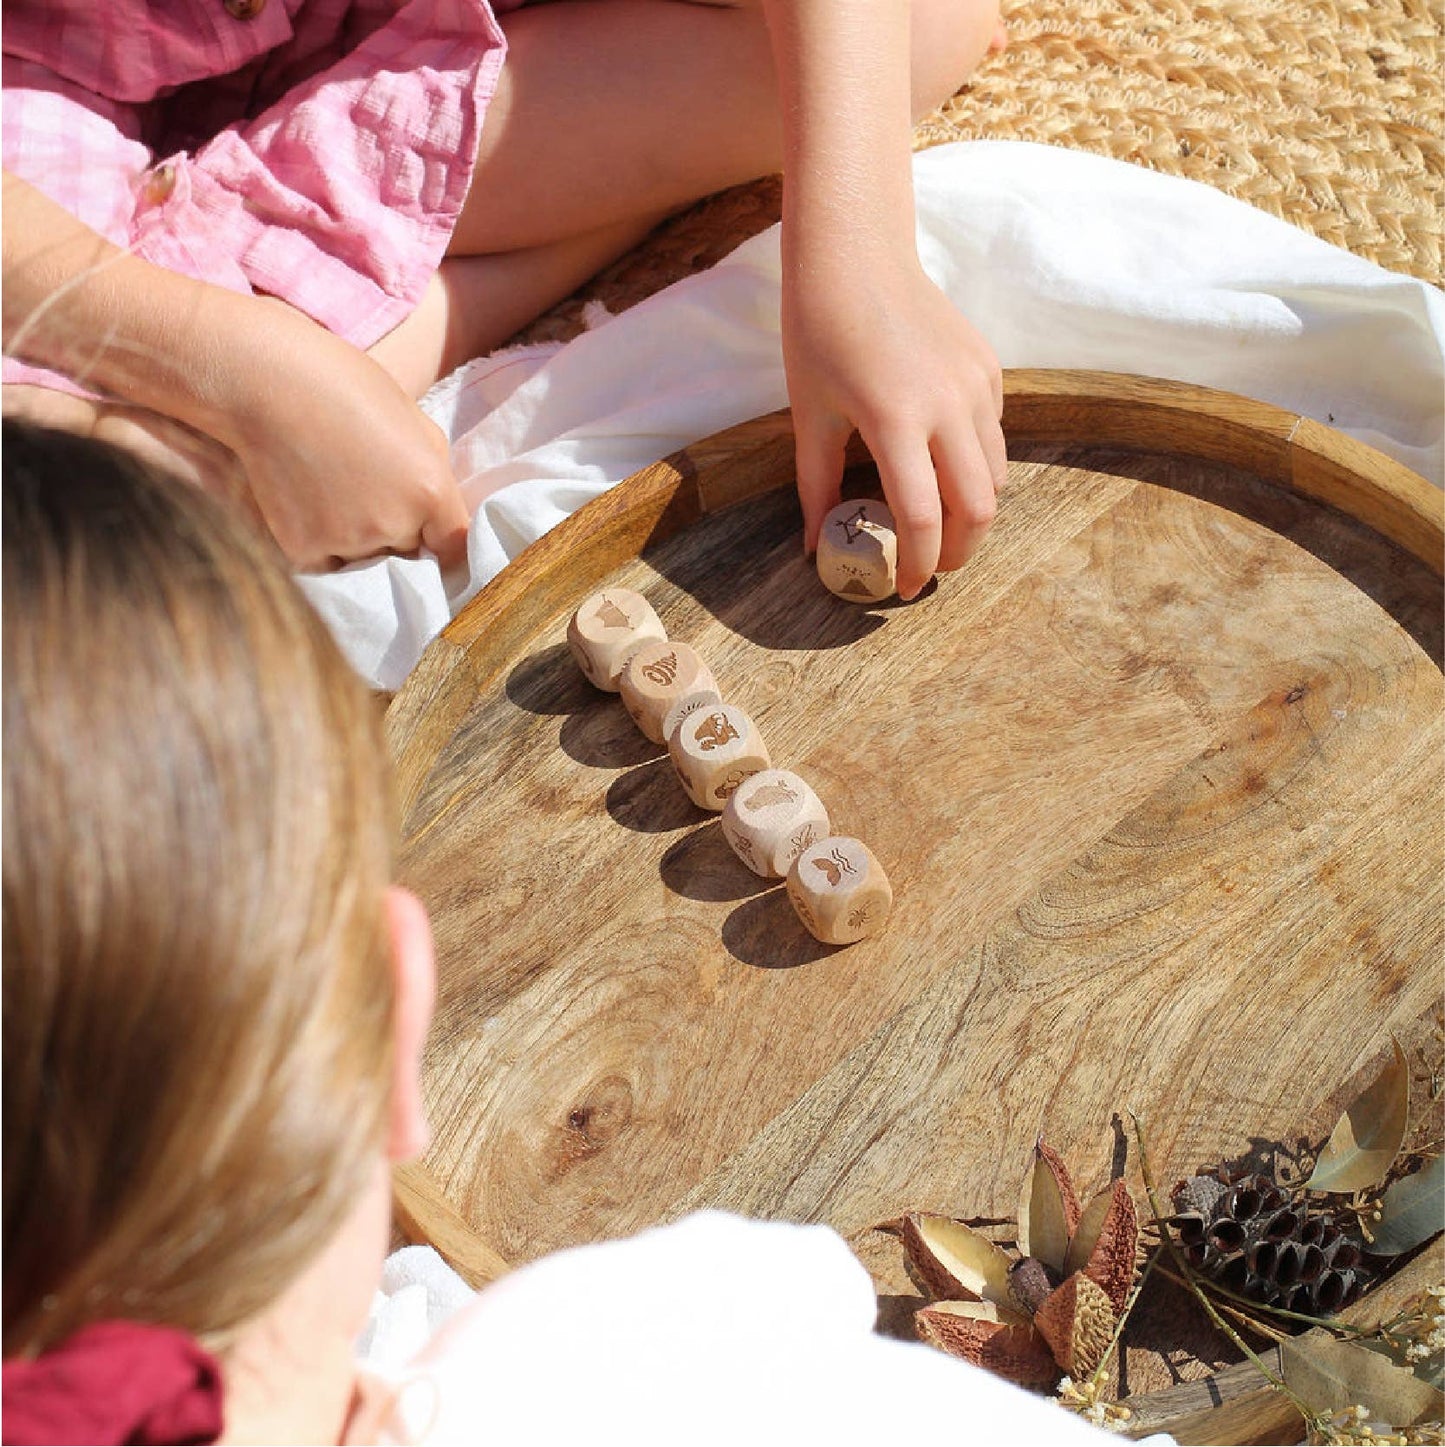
[316, 150]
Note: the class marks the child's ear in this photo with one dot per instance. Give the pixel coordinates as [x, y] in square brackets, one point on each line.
[414, 968]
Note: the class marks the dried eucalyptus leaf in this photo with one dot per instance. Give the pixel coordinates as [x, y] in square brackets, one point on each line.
[1369, 1135]
[1330, 1375]
[1411, 1211]
[954, 1260]
[1048, 1209]
[1431, 1370]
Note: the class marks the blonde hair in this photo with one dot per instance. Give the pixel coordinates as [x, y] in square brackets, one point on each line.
[197, 990]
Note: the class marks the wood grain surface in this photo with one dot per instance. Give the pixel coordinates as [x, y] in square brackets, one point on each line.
[1156, 779]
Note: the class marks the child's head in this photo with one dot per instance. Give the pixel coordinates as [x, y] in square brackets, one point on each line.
[198, 943]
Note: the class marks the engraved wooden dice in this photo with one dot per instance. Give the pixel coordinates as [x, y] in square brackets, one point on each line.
[858, 551]
[700, 697]
[657, 675]
[606, 628]
[839, 890]
[714, 749]
[771, 818]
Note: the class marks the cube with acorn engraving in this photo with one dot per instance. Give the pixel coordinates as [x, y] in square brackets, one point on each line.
[714, 750]
[839, 890]
[771, 818]
[606, 629]
[655, 676]
[858, 551]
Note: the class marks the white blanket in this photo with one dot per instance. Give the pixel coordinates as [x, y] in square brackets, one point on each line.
[713, 1330]
[1061, 259]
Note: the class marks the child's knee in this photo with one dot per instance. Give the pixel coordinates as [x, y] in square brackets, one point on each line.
[950, 39]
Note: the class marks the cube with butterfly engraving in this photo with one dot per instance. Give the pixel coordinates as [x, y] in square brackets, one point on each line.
[839, 890]
[714, 750]
[858, 551]
[606, 629]
[771, 818]
[655, 677]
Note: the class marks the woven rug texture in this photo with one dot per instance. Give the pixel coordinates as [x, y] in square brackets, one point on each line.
[1327, 113]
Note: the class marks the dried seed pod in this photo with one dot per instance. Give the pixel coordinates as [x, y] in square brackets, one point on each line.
[1106, 1242]
[1198, 1194]
[1032, 1282]
[1264, 1243]
[953, 1260]
[1078, 1323]
[1048, 1211]
[982, 1334]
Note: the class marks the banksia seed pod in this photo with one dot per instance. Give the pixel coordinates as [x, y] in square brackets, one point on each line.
[1078, 1323]
[988, 1337]
[1262, 1243]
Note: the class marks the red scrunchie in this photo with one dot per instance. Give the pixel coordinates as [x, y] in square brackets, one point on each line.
[113, 1382]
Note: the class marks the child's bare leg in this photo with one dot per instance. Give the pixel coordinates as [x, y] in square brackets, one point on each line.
[475, 303]
[610, 115]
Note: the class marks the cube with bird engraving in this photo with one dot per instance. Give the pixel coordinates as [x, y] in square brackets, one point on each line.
[858, 551]
[606, 629]
[655, 676]
[714, 750]
[839, 890]
[771, 818]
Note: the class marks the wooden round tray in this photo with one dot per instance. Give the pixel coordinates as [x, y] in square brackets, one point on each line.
[1157, 779]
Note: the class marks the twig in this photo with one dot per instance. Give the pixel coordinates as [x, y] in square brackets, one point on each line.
[1253, 1323]
[1311, 1419]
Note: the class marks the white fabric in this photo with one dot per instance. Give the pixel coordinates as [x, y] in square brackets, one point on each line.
[1061, 259]
[713, 1330]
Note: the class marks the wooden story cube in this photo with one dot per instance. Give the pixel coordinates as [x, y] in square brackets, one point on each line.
[655, 676]
[701, 697]
[858, 551]
[771, 818]
[714, 750]
[606, 628]
[839, 890]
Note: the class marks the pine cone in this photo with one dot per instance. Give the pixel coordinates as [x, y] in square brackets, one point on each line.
[1261, 1242]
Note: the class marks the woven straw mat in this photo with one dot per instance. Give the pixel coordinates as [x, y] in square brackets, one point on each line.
[1328, 113]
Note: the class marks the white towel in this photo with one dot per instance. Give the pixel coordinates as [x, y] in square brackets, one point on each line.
[713, 1330]
[1061, 259]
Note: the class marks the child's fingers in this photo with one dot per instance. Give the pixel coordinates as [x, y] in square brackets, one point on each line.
[445, 532]
[819, 450]
[966, 484]
[911, 487]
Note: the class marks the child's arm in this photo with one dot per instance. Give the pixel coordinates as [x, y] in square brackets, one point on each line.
[868, 341]
[339, 460]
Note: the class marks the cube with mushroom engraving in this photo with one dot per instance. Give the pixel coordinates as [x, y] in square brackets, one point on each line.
[858, 551]
[714, 750]
[839, 890]
[606, 629]
[771, 818]
[655, 676]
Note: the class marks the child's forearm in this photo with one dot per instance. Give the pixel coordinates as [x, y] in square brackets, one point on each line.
[76, 303]
[844, 87]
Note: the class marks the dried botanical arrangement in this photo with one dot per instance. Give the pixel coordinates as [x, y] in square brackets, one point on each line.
[1270, 1259]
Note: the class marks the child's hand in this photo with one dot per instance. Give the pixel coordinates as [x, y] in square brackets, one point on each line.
[882, 350]
[340, 462]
